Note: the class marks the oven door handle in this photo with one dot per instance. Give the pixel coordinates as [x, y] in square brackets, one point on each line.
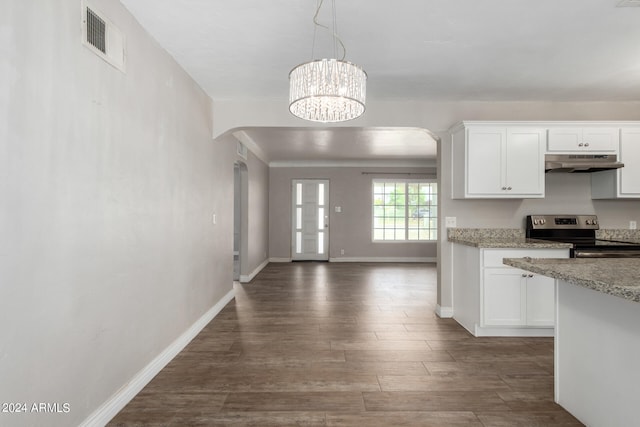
[606, 254]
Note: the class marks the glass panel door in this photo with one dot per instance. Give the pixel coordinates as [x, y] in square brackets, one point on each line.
[310, 220]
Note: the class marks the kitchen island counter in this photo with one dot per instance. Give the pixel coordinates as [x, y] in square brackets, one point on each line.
[597, 338]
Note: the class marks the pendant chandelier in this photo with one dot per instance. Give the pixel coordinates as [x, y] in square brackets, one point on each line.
[327, 90]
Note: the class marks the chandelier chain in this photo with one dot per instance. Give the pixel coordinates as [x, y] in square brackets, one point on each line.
[336, 39]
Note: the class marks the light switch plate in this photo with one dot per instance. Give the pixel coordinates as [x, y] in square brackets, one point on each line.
[338, 209]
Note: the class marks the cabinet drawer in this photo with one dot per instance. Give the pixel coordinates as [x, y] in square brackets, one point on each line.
[493, 257]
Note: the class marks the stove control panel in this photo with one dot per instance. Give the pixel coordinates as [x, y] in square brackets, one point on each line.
[575, 222]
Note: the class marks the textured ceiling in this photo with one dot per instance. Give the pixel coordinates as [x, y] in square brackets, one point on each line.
[449, 50]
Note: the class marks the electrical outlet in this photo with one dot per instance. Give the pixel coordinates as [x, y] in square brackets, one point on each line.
[632, 225]
[450, 221]
[341, 251]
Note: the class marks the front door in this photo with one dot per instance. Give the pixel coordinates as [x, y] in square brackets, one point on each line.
[310, 220]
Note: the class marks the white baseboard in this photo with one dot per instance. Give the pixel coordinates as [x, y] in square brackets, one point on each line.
[279, 259]
[384, 259]
[247, 278]
[369, 259]
[119, 400]
[514, 332]
[444, 312]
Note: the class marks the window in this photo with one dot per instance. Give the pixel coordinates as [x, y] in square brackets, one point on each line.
[405, 210]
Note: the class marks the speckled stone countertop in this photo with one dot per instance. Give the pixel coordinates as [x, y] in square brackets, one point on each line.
[499, 238]
[631, 236]
[614, 276]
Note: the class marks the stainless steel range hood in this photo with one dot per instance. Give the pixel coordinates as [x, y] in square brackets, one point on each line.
[581, 163]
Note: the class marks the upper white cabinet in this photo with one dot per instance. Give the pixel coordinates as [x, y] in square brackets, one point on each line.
[623, 182]
[498, 162]
[579, 139]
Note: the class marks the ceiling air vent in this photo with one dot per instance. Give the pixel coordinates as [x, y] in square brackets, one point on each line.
[102, 37]
[96, 31]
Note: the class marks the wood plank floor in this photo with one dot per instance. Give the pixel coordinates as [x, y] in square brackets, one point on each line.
[344, 344]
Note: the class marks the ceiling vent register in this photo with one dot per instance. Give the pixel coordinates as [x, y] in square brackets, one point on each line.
[101, 37]
[96, 31]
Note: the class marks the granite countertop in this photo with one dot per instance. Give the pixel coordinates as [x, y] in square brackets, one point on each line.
[500, 238]
[614, 276]
[629, 236]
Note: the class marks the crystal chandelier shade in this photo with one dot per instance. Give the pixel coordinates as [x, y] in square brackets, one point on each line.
[327, 90]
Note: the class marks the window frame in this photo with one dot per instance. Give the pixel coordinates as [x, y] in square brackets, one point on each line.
[407, 209]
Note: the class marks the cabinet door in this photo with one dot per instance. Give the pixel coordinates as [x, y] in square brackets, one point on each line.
[565, 139]
[624, 182]
[525, 162]
[485, 160]
[597, 139]
[504, 297]
[600, 139]
[629, 175]
[540, 300]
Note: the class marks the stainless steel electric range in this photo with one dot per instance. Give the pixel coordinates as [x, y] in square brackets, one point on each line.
[579, 230]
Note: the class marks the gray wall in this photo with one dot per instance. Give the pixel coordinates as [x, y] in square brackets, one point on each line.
[349, 230]
[108, 182]
[258, 210]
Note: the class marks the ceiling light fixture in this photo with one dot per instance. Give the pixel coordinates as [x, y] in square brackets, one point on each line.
[327, 90]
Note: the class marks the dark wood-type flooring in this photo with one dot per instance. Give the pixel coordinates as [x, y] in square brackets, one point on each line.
[342, 344]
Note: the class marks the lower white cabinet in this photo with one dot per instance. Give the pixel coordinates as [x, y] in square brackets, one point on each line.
[493, 299]
[504, 298]
[540, 300]
[513, 297]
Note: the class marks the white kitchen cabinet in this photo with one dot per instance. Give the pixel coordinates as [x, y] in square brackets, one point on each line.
[504, 297]
[515, 297]
[540, 300]
[623, 183]
[583, 139]
[493, 299]
[498, 162]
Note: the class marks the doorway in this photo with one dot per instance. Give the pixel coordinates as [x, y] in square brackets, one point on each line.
[310, 220]
[240, 219]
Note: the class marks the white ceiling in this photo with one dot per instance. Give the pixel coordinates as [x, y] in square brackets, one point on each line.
[345, 145]
[449, 50]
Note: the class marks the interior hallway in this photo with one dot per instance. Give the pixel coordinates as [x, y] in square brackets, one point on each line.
[345, 344]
